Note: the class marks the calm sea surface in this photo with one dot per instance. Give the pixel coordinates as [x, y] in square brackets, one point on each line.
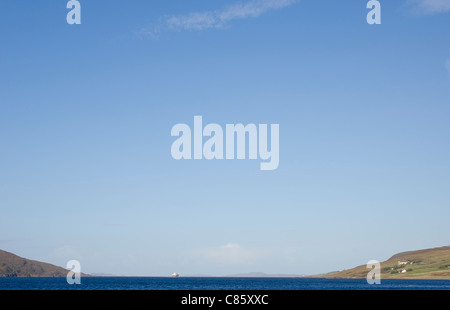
[160, 283]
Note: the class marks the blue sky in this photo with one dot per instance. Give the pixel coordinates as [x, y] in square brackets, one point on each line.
[86, 113]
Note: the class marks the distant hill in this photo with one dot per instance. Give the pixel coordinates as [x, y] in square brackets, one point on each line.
[422, 264]
[101, 274]
[15, 266]
[262, 275]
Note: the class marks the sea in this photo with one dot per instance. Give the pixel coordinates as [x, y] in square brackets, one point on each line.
[217, 283]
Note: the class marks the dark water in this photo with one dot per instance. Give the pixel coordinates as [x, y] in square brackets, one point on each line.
[160, 283]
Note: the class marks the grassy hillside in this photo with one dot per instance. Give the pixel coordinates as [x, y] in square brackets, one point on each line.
[422, 264]
[14, 266]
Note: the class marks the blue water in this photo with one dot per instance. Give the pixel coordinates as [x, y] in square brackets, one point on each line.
[160, 283]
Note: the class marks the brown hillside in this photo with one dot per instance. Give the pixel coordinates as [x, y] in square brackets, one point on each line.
[15, 266]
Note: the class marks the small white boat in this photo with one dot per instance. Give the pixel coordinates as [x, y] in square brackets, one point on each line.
[175, 275]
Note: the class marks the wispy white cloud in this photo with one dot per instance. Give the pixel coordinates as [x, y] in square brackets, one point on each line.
[230, 253]
[430, 6]
[217, 18]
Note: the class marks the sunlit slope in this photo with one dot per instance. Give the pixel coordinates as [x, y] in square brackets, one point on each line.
[422, 264]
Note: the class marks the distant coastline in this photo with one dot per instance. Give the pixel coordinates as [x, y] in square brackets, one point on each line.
[427, 264]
